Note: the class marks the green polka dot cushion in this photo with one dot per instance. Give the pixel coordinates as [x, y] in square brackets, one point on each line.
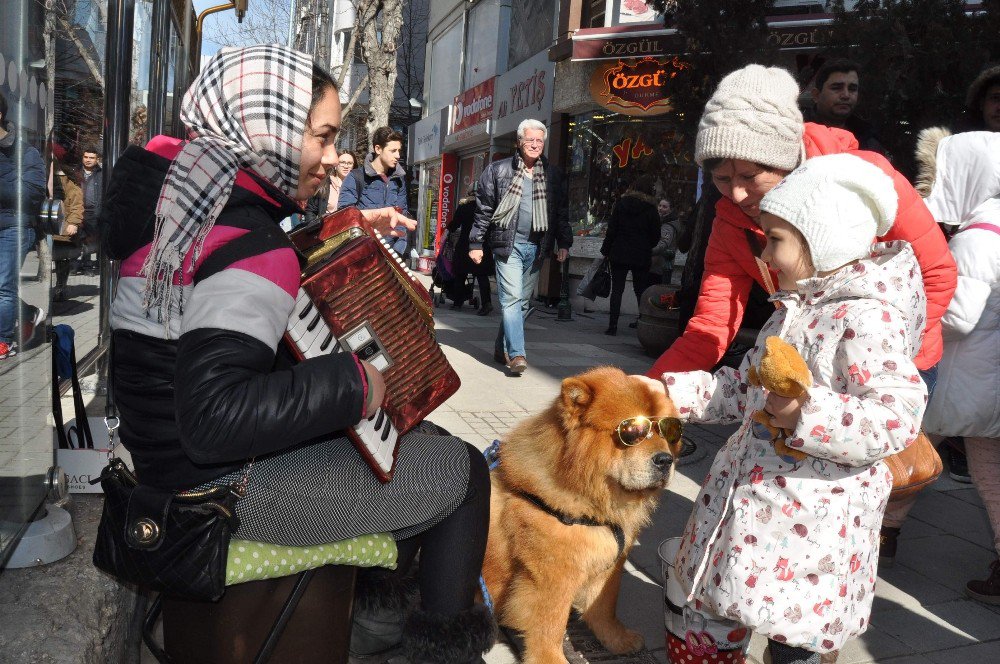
[254, 561]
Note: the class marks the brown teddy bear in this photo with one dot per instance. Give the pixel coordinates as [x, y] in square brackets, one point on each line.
[782, 371]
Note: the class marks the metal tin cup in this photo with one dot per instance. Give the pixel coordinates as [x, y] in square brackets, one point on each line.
[695, 636]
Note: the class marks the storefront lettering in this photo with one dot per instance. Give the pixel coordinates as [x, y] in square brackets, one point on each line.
[473, 106]
[524, 94]
[636, 87]
[632, 48]
[812, 37]
[627, 150]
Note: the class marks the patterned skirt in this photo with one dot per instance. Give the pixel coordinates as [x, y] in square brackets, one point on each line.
[325, 492]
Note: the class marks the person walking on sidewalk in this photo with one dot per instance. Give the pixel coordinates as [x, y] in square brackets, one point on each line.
[962, 173]
[661, 268]
[459, 229]
[380, 183]
[22, 190]
[855, 312]
[522, 215]
[633, 231]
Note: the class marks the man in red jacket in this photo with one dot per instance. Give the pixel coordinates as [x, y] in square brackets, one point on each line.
[750, 136]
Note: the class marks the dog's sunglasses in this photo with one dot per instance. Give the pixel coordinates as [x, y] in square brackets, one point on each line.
[634, 430]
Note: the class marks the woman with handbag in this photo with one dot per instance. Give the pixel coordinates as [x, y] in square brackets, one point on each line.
[207, 283]
[633, 231]
[796, 524]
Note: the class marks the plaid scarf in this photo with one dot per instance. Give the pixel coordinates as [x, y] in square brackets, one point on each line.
[511, 200]
[247, 109]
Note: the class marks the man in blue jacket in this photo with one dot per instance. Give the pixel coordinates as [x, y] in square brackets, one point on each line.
[381, 182]
[22, 190]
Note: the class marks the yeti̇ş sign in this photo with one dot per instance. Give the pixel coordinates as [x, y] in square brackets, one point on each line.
[635, 88]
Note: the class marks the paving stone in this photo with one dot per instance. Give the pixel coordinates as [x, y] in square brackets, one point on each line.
[956, 516]
[946, 625]
[981, 652]
[949, 560]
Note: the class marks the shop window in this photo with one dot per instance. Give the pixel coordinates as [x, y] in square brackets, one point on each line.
[608, 151]
[593, 12]
[532, 29]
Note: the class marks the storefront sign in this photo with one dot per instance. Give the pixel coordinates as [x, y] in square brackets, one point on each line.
[524, 92]
[448, 196]
[473, 106]
[628, 42]
[638, 87]
[427, 137]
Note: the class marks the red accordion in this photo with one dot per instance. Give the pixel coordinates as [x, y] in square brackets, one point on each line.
[357, 296]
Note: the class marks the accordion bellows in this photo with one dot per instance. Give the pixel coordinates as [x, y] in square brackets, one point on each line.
[357, 296]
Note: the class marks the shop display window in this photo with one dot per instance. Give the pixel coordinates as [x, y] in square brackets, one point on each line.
[608, 151]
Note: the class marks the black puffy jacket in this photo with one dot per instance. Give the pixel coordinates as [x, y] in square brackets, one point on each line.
[493, 183]
[201, 394]
[633, 230]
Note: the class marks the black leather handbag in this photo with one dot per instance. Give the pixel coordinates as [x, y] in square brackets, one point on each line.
[174, 543]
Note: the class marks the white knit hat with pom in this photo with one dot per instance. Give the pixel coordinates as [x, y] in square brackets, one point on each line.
[754, 116]
[840, 203]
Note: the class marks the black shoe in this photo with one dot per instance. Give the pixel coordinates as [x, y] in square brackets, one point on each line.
[958, 464]
[611, 331]
[887, 546]
[485, 310]
[987, 591]
[499, 357]
[456, 305]
[634, 324]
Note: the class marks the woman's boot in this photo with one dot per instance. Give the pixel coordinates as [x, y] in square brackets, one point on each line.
[459, 639]
[381, 599]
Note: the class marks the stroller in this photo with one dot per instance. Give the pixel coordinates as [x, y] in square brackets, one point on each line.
[443, 277]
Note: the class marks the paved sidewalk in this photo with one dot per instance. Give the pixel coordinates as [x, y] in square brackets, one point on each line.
[920, 612]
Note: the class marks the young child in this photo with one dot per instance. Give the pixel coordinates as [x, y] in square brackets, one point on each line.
[790, 548]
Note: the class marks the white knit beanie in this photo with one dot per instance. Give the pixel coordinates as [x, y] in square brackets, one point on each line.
[753, 116]
[840, 203]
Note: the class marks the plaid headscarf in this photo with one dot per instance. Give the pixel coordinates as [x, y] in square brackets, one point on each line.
[511, 200]
[247, 109]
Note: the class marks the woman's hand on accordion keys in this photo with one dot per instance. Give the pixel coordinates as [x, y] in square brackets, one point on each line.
[389, 221]
[376, 388]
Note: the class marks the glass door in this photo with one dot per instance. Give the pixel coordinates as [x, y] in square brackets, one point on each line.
[25, 248]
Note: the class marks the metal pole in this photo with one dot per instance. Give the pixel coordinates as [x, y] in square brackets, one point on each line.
[158, 57]
[565, 309]
[117, 109]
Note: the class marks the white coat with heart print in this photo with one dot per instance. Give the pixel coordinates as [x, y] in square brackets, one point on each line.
[787, 548]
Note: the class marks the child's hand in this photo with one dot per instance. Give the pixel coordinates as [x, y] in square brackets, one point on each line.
[784, 411]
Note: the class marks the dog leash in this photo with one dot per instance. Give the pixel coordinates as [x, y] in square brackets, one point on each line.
[568, 520]
[492, 454]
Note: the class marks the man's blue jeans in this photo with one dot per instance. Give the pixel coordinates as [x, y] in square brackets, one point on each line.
[516, 278]
[15, 243]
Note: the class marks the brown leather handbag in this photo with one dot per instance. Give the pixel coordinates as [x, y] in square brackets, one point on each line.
[914, 468]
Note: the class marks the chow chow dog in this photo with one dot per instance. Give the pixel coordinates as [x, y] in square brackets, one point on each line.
[565, 484]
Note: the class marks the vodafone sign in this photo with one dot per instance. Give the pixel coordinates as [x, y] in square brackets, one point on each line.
[473, 106]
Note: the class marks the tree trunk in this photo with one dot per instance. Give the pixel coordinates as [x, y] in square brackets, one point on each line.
[380, 18]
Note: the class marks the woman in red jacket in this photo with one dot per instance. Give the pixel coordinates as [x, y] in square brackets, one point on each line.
[750, 136]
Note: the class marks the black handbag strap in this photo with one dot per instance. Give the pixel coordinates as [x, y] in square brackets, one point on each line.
[84, 437]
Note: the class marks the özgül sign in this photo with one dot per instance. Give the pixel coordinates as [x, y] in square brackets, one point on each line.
[636, 88]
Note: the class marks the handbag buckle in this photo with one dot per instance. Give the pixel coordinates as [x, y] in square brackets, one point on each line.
[144, 533]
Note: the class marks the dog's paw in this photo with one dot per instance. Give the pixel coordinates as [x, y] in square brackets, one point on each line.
[622, 641]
